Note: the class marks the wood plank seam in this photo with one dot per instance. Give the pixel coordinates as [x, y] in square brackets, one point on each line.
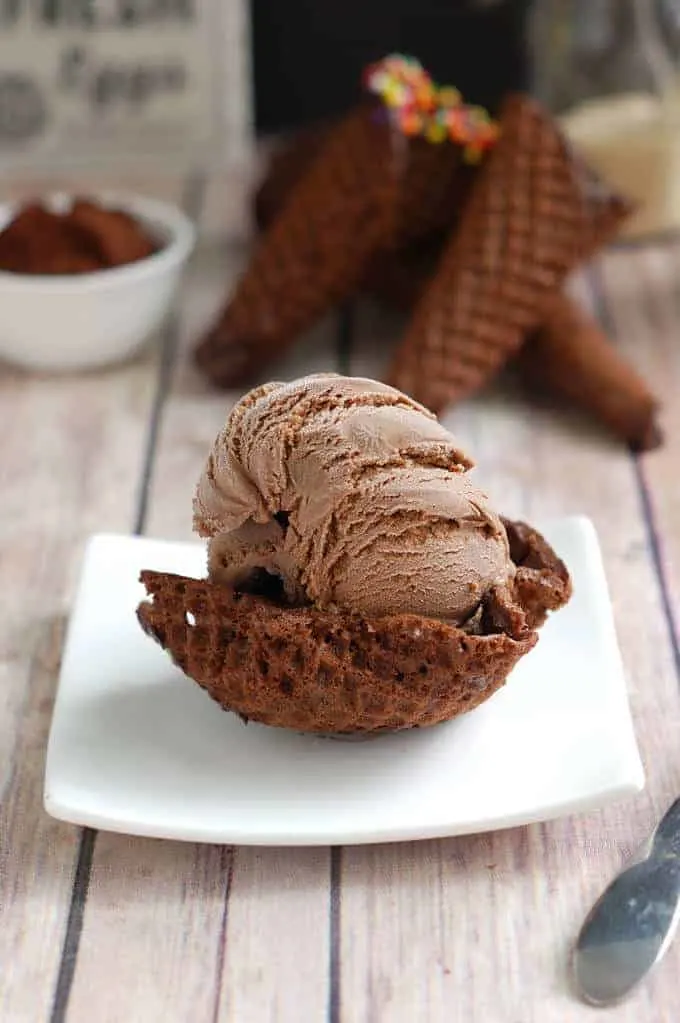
[444, 924]
[335, 926]
[74, 925]
[192, 199]
[656, 552]
[600, 301]
[165, 369]
[227, 866]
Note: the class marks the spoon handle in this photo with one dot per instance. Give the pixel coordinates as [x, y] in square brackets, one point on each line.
[633, 922]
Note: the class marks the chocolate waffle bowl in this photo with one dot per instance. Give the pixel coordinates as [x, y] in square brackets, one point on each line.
[337, 672]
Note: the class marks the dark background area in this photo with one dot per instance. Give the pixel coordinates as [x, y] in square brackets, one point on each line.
[309, 54]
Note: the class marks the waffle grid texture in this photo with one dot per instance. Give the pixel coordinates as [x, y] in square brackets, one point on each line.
[330, 671]
[364, 189]
[534, 214]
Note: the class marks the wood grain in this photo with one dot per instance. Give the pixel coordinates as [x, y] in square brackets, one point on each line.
[276, 940]
[641, 292]
[474, 929]
[485, 923]
[70, 463]
[150, 945]
[186, 932]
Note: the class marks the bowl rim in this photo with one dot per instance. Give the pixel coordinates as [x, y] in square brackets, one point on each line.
[182, 238]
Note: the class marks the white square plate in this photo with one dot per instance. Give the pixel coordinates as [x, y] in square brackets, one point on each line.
[137, 747]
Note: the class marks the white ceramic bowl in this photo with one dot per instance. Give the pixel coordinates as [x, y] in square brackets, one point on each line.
[80, 321]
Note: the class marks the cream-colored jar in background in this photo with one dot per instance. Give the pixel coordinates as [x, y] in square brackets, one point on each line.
[633, 141]
[610, 70]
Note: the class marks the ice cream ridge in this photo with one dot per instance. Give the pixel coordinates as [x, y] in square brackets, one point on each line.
[357, 579]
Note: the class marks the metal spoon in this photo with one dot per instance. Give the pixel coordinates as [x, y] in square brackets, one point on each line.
[633, 922]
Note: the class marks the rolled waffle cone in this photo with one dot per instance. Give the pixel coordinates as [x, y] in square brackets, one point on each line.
[288, 162]
[429, 202]
[314, 253]
[534, 213]
[433, 188]
[569, 355]
[572, 356]
[432, 183]
[344, 673]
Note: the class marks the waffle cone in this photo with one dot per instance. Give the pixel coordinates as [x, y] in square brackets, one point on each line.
[571, 356]
[432, 183]
[432, 187]
[335, 672]
[314, 253]
[287, 164]
[533, 214]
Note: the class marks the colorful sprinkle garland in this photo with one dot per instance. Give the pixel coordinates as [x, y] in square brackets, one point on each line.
[419, 107]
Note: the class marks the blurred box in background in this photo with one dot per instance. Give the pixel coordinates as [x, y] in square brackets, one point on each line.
[309, 54]
[138, 94]
[123, 82]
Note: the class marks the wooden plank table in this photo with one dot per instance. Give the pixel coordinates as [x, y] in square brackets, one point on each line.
[104, 928]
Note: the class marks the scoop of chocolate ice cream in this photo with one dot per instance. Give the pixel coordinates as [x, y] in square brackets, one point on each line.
[340, 491]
